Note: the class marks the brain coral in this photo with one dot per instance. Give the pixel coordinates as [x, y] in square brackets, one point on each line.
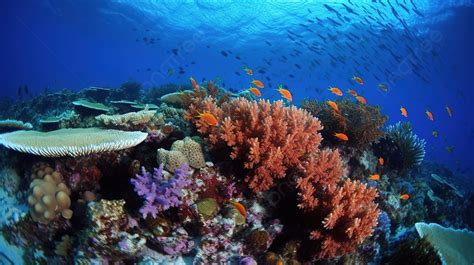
[191, 150]
[49, 196]
[70, 142]
[186, 151]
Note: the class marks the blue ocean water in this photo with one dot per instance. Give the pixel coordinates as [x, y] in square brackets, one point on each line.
[422, 51]
[426, 61]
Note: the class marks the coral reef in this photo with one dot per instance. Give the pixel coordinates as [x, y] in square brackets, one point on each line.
[161, 194]
[453, 245]
[342, 217]
[107, 232]
[400, 147]
[132, 121]
[49, 195]
[70, 142]
[186, 151]
[260, 187]
[267, 139]
[363, 124]
[88, 108]
[13, 125]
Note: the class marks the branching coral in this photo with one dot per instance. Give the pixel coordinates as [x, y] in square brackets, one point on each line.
[400, 147]
[361, 123]
[266, 138]
[160, 194]
[341, 216]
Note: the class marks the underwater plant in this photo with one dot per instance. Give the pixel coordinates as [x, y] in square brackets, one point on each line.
[360, 122]
[160, 194]
[400, 147]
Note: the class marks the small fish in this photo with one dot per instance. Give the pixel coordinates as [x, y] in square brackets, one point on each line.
[255, 91]
[352, 92]
[333, 105]
[404, 112]
[361, 99]
[285, 93]
[450, 112]
[435, 133]
[170, 71]
[430, 115]
[194, 84]
[208, 118]
[335, 91]
[248, 71]
[258, 83]
[449, 149]
[374, 177]
[383, 87]
[358, 80]
[404, 197]
[341, 136]
[381, 161]
[240, 207]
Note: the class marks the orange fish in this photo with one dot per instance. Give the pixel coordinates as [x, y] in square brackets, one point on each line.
[333, 105]
[361, 99]
[352, 92]
[195, 85]
[341, 136]
[248, 71]
[450, 113]
[404, 112]
[258, 83]
[404, 197]
[374, 177]
[430, 115]
[255, 91]
[208, 118]
[381, 161]
[285, 93]
[240, 207]
[358, 80]
[335, 91]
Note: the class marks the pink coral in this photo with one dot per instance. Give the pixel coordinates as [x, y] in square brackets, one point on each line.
[341, 218]
[267, 138]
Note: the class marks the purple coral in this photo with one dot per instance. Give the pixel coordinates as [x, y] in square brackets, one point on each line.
[159, 193]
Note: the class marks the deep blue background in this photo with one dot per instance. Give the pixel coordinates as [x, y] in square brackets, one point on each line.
[67, 44]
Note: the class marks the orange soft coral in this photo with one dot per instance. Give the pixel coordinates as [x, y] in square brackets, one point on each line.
[342, 217]
[267, 138]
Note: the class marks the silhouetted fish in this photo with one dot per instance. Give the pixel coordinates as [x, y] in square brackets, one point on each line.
[224, 53]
